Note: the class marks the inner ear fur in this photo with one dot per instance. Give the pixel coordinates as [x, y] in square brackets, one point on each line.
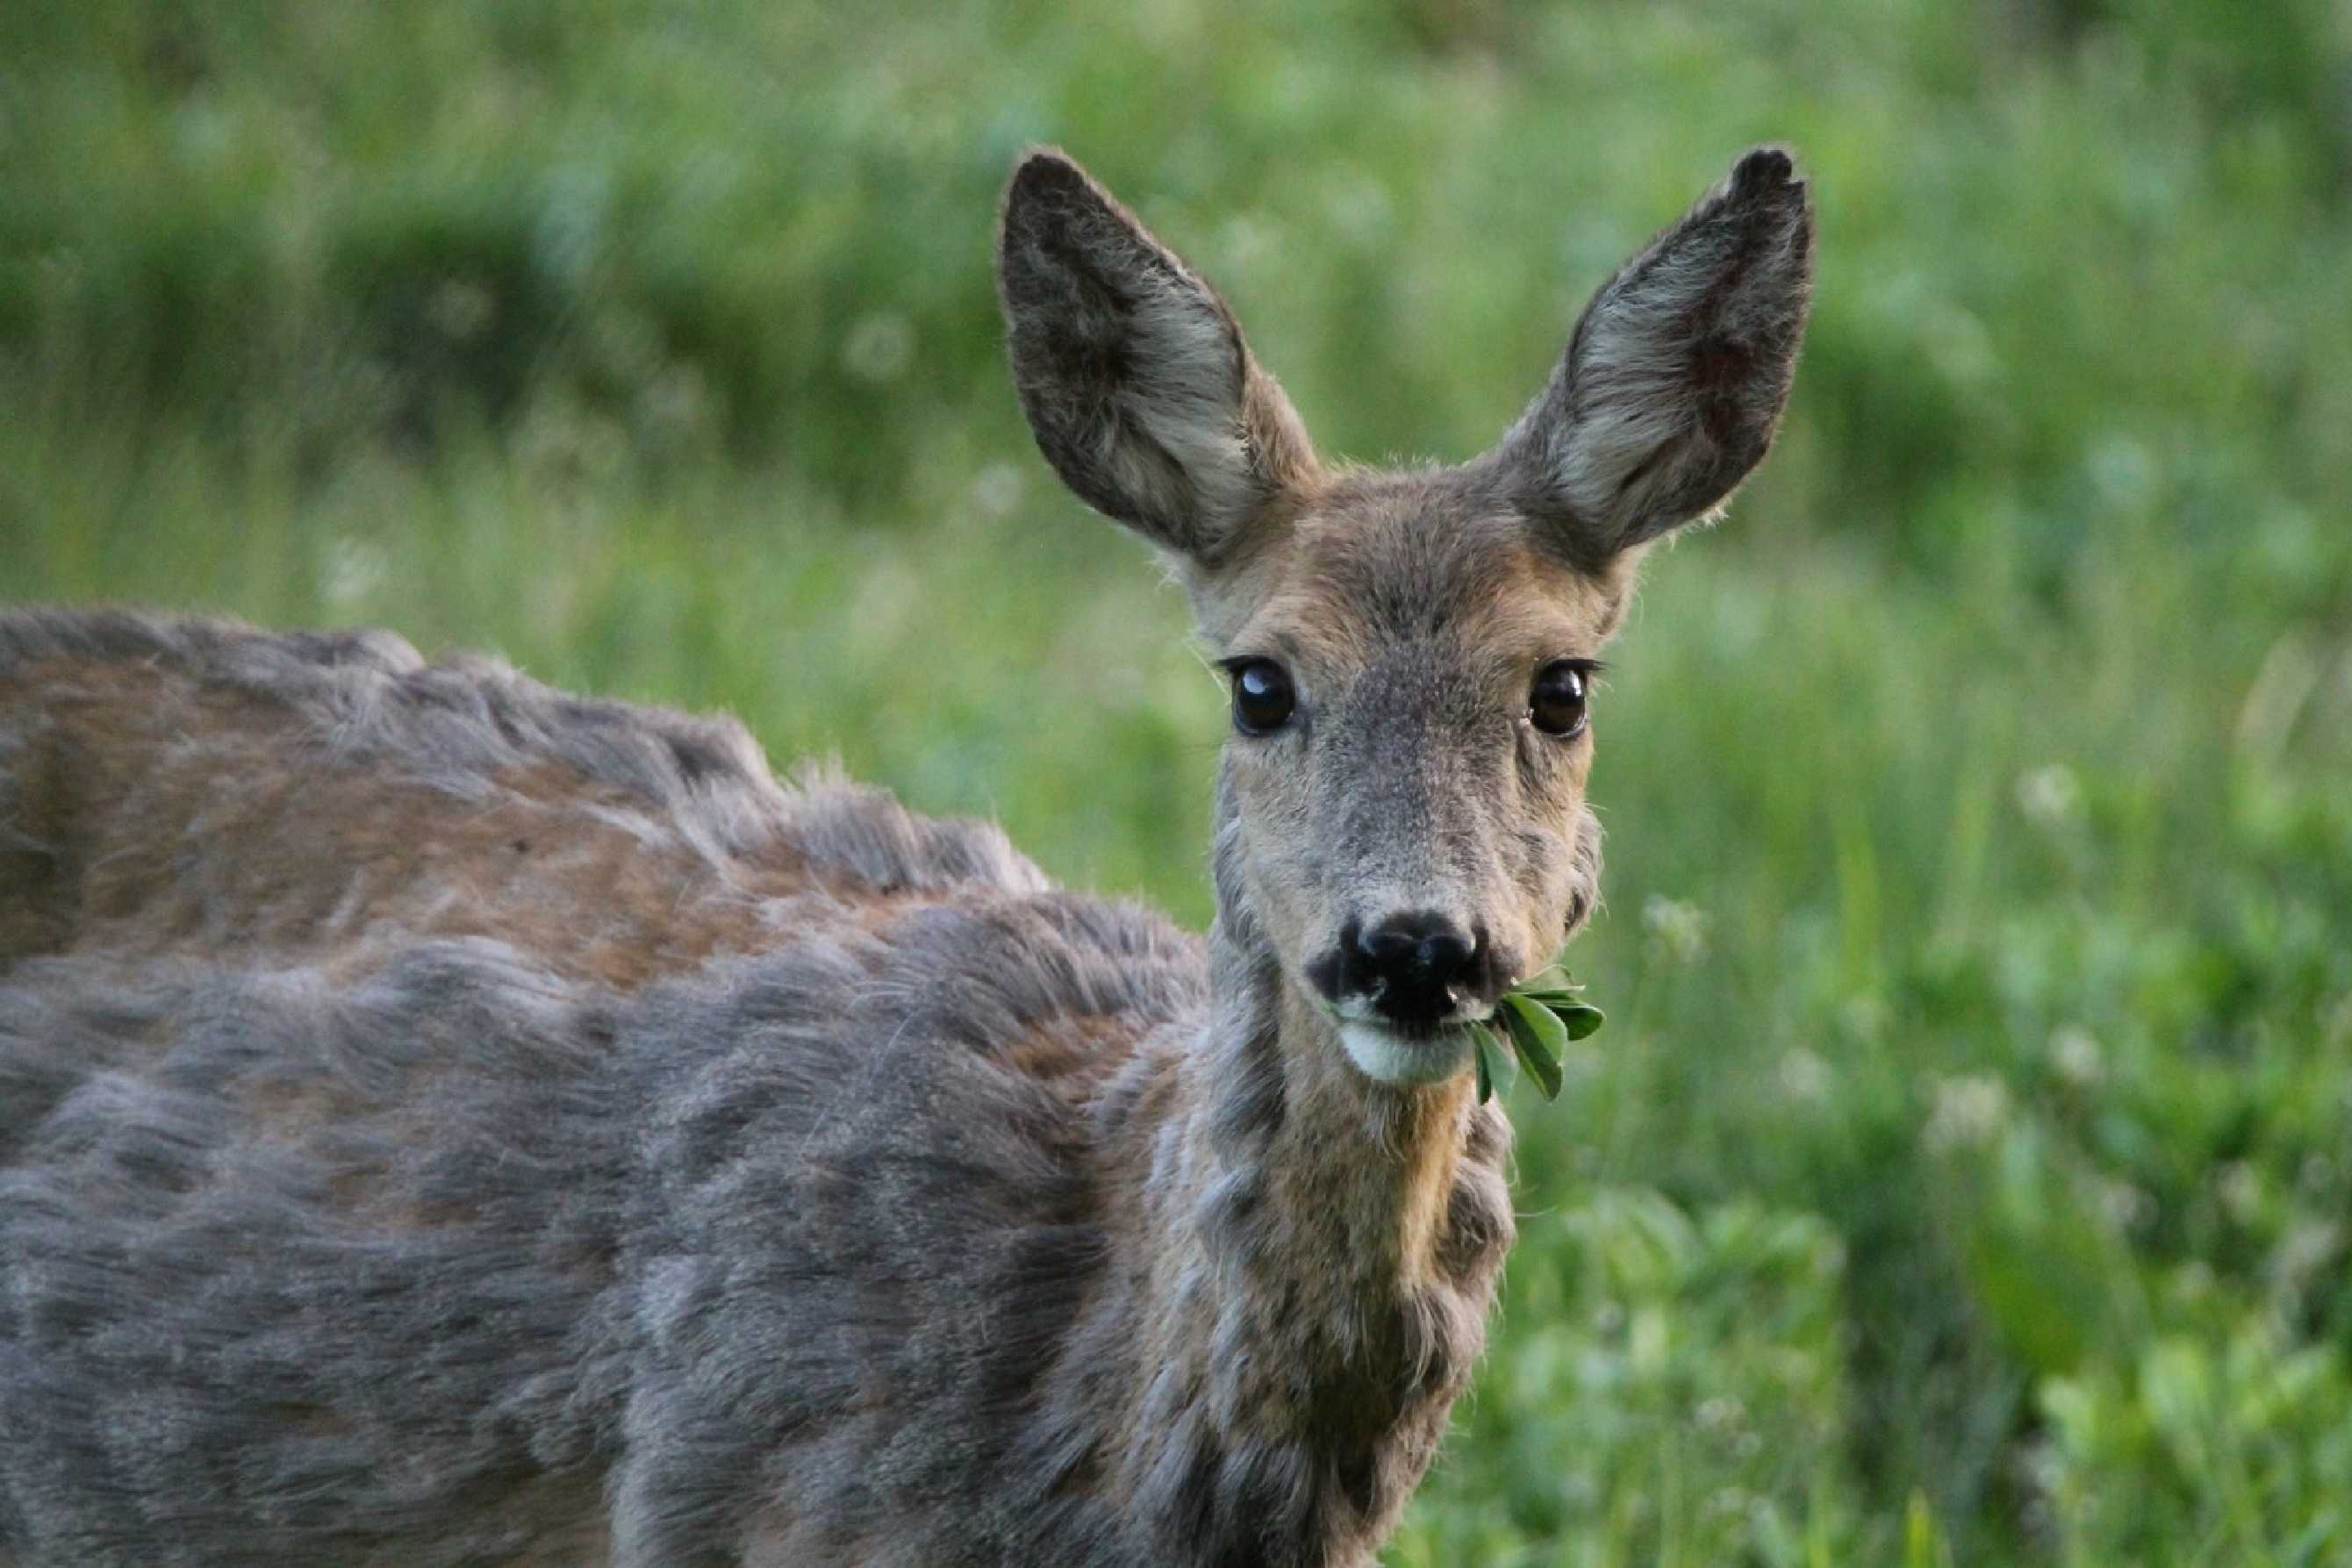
[1676, 376]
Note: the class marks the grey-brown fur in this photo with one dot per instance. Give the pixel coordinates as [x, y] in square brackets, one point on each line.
[443, 1121]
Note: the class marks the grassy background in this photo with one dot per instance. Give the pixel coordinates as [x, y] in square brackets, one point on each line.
[1964, 1176]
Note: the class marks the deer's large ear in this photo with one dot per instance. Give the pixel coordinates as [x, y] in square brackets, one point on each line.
[1132, 372]
[1675, 377]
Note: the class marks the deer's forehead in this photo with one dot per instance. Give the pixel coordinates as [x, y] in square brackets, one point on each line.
[1362, 575]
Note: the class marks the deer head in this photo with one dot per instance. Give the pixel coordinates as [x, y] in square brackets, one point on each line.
[1403, 831]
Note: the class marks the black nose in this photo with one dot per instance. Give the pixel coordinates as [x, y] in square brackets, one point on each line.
[1414, 966]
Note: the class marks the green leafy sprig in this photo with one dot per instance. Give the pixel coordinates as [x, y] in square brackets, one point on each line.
[1539, 1016]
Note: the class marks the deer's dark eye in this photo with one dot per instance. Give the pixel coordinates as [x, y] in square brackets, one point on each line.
[1555, 702]
[1263, 696]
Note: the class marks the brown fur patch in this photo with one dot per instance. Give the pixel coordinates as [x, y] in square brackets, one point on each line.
[1397, 555]
[177, 814]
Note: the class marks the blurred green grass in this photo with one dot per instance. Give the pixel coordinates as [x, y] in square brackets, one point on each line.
[1964, 1176]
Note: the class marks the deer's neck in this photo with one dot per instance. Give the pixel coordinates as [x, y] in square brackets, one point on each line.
[1314, 1255]
[1312, 1178]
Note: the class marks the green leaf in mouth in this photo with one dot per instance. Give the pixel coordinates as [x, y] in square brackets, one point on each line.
[1497, 1068]
[1540, 1037]
[1580, 1019]
[1539, 1016]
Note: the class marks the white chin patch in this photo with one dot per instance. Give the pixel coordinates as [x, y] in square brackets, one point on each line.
[1390, 1058]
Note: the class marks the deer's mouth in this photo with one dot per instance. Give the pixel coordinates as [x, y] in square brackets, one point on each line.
[1412, 1051]
[1390, 1055]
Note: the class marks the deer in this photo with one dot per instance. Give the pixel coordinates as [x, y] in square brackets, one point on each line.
[446, 1120]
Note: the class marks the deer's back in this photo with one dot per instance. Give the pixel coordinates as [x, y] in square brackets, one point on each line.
[182, 787]
[444, 1121]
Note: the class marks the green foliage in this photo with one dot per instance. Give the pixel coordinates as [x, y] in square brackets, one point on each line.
[1674, 1396]
[1964, 1176]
